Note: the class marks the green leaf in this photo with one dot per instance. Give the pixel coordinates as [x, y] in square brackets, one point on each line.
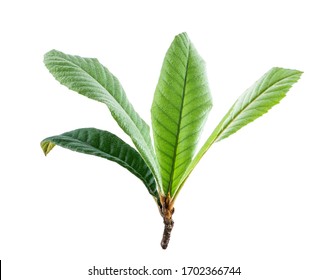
[253, 103]
[180, 107]
[91, 79]
[104, 144]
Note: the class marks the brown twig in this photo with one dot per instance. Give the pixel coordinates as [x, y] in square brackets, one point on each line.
[167, 211]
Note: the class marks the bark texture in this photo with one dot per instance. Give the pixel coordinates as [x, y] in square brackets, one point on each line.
[167, 210]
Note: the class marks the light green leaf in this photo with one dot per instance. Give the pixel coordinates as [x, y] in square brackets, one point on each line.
[104, 144]
[253, 103]
[91, 79]
[180, 107]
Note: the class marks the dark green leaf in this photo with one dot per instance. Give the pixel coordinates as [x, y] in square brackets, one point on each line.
[104, 144]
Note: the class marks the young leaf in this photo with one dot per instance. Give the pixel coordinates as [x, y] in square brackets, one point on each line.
[180, 107]
[104, 144]
[253, 103]
[91, 79]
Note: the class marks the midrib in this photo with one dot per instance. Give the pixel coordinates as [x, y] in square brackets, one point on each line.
[172, 173]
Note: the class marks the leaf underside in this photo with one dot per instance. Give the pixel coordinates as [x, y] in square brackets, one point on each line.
[253, 103]
[104, 144]
[257, 100]
[91, 79]
[180, 108]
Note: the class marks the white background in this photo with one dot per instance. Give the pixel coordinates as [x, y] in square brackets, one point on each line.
[257, 200]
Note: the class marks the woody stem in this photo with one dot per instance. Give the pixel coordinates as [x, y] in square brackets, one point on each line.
[167, 211]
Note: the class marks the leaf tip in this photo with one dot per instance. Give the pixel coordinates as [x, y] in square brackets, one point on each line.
[292, 72]
[46, 146]
[49, 53]
[296, 74]
[182, 36]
